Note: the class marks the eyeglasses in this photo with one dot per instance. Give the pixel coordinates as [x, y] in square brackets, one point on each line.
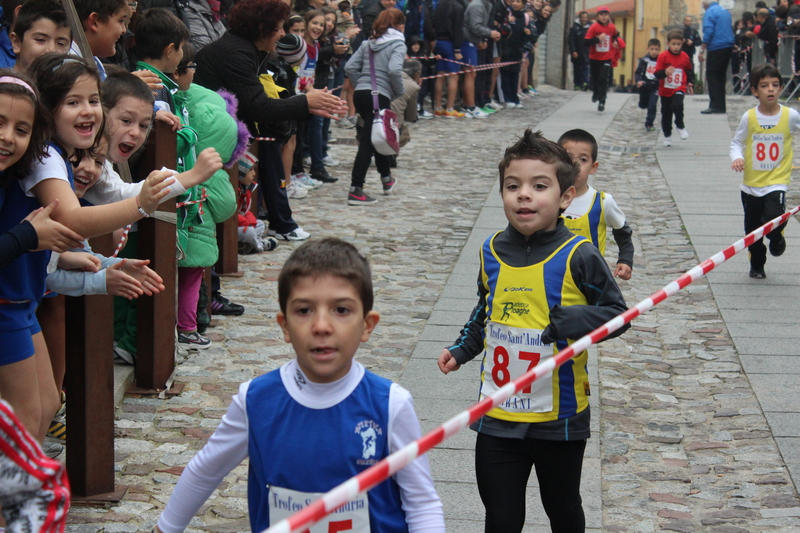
[133, 5]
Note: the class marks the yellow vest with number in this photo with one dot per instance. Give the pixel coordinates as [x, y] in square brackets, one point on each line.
[768, 152]
[517, 311]
[592, 224]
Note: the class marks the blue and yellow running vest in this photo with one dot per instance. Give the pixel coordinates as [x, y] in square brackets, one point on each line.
[517, 311]
[592, 224]
[768, 152]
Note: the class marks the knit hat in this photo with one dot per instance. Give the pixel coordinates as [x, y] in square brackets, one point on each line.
[246, 162]
[292, 48]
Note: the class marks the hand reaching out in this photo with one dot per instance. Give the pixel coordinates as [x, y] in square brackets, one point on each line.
[623, 271]
[79, 261]
[149, 281]
[52, 235]
[118, 283]
[324, 104]
[154, 189]
[171, 119]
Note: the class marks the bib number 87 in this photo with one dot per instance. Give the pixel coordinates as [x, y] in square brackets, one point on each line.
[501, 359]
[762, 151]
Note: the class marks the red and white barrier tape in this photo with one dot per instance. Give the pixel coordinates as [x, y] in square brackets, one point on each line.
[488, 66]
[122, 240]
[364, 481]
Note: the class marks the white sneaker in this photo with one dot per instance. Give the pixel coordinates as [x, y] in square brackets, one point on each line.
[510, 105]
[300, 185]
[667, 141]
[307, 161]
[330, 161]
[295, 191]
[474, 113]
[296, 235]
[684, 134]
[495, 105]
[307, 181]
[519, 106]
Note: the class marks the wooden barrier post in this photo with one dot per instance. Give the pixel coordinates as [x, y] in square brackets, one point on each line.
[155, 358]
[89, 379]
[228, 234]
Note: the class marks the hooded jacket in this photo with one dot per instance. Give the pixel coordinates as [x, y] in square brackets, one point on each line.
[477, 18]
[389, 51]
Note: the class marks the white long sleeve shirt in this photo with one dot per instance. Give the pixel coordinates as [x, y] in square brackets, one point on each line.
[228, 447]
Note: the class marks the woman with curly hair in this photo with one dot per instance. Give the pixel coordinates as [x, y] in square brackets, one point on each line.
[233, 63]
[388, 46]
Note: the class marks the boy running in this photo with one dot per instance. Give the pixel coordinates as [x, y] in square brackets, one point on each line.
[647, 83]
[592, 212]
[321, 418]
[676, 78]
[762, 149]
[539, 287]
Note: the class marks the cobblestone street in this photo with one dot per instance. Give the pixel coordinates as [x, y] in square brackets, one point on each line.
[684, 442]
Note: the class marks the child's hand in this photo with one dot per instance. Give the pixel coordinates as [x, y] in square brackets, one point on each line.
[150, 78]
[738, 165]
[528, 32]
[447, 363]
[173, 120]
[154, 189]
[118, 283]
[78, 261]
[150, 282]
[690, 89]
[639, 83]
[52, 235]
[669, 70]
[459, 57]
[208, 162]
[623, 271]
[511, 19]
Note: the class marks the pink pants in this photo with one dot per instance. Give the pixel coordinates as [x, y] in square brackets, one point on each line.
[189, 280]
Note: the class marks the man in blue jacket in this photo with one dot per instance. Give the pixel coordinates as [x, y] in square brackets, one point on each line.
[718, 45]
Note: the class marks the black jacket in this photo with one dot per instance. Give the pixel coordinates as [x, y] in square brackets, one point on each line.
[448, 22]
[769, 34]
[691, 34]
[576, 42]
[234, 63]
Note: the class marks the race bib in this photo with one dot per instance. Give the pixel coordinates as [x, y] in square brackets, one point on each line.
[650, 73]
[675, 80]
[352, 517]
[767, 150]
[604, 45]
[511, 352]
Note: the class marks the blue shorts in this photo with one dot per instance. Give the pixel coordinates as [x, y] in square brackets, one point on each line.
[469, 52]
[445, 49]
[17, 344]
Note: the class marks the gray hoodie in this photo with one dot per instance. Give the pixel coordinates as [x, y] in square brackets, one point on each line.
[389, 51]
[477, 18]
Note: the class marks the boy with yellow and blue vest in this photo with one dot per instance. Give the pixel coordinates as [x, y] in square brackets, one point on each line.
[592, 212]
[539, 287]
[762, 149]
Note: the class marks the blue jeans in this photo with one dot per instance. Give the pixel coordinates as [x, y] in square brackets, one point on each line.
[315, 142]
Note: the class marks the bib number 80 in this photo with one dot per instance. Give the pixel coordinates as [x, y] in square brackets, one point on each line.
[773, 151]
[500, 372]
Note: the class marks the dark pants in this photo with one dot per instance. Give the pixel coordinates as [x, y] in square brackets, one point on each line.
[503, 466]
[364, 107]
[580, 72]
[270, 177]
[483, 78]
[600, 72]
[648, 99]
[758, 210]
[717, 62]
[297, 158]
[315, 142]
[509, 83]
[671, 106]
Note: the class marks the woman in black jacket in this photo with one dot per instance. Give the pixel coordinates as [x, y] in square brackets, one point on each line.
[236, 62]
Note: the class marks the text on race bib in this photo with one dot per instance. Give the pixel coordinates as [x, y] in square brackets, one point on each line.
[674, 80]
[352, 517]
[604, 45]
[510, 353]
[650, 72]
[767, 150]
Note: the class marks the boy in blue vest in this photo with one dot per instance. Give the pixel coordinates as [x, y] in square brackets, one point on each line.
[592, 212]
[762, 149]
[539, 287]
[321, 418]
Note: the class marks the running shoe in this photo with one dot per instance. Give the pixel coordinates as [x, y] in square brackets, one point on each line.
[488, 110]
[295, 235]
[474, 113]
[452, 113]
[296, 191]
[684, 134]
[330, 161]
[667, 141]
[388, 184]
[425, 115]
[777, 246]
[439, 113]
[356, 196]
[193, 340]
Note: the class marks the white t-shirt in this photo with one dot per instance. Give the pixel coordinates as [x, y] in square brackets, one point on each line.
[739, 142]
[228, 447]
[615, 218]
[52, 166]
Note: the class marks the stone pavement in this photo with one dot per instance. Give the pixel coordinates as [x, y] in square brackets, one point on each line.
[683, 438]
